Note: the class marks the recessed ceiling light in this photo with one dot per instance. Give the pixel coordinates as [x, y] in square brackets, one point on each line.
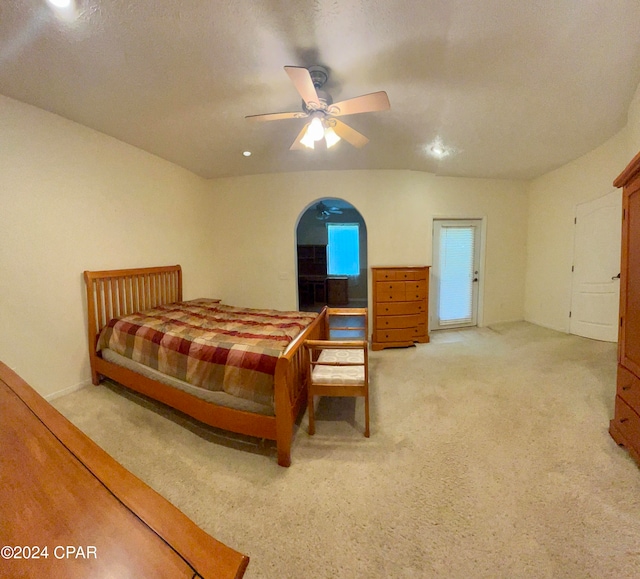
[437, 149]
[64, 10]
[247, 153]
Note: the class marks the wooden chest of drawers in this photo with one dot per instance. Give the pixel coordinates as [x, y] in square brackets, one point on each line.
[400, 306]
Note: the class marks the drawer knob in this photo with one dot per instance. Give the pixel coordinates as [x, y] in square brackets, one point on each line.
[623, 420]
[625, 388]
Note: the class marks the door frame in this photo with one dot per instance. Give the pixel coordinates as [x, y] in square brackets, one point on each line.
[360, 295]
[433, 303]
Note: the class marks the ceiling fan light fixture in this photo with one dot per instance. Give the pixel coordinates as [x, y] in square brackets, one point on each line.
[307, 141]
[331, 137]
[315, 131]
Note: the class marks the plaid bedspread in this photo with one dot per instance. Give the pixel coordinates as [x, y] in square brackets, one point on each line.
[210, 345]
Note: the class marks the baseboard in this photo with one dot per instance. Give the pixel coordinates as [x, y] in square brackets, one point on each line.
[564, 330]
[69, 390]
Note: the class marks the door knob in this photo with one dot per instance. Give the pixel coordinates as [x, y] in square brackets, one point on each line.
[616, 276]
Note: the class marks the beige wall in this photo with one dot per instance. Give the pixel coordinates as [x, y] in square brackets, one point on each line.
[633, 125]
[552, 204]
[73, 199]
[398, 207]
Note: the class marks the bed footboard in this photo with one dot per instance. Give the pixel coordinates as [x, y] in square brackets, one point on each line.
[290, 385]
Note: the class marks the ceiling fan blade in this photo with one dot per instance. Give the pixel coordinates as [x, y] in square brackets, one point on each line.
[304, 85]
[368, 103]
[350, 135]
[297, 144]
[276, 116]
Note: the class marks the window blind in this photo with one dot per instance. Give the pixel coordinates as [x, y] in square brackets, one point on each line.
[456, 274]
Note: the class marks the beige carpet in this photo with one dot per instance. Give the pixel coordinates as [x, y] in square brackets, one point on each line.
[489, 457]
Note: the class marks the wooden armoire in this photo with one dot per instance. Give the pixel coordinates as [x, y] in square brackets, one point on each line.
[625, 426]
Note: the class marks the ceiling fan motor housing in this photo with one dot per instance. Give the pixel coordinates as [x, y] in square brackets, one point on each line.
[319, 75]
[325, 102]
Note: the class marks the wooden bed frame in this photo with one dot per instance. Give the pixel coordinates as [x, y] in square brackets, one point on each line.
[114, 293]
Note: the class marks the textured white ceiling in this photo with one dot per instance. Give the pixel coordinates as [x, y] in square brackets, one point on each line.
[516, 88]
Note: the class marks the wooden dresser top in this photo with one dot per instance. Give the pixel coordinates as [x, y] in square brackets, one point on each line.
[61, 491]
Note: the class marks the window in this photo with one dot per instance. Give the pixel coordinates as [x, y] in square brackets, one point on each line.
[343, 249]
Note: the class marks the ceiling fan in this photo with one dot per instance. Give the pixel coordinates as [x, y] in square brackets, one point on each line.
[323, 212]
[318, 106]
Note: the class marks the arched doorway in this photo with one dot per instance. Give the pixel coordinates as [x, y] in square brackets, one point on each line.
[331, 239]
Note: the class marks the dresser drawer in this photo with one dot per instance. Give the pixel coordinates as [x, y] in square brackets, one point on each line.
[409, 274]
[415, 290]
[414, 295]
[412, 321]
[384, 275]
[627, 422]
[415, 285]
[399, 309]
[629, 388]
[388, 296]
[390, 286]
[399, 335]
[390, 291]
[399, 274]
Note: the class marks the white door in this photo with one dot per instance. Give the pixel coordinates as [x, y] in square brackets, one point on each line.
[596, 268]
[455, 274]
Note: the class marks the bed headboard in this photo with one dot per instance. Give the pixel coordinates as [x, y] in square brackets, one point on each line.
[120, 292]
